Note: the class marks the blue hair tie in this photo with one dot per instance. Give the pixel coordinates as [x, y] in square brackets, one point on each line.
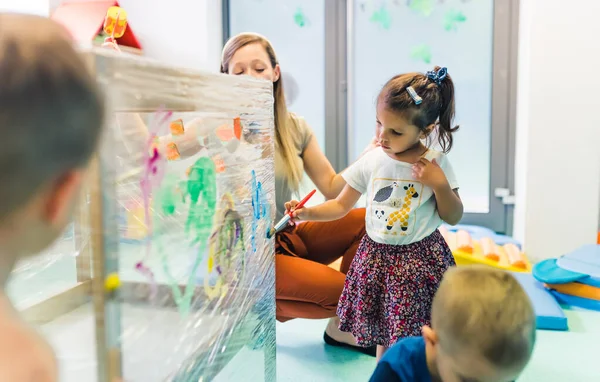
[437, 76]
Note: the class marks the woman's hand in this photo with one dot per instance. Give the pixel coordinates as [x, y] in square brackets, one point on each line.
[430, 174]
[301, 214]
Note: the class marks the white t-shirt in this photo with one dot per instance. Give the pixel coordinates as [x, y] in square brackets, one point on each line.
[400, 210]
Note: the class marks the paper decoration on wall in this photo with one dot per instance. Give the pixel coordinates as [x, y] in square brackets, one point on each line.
[382, 17]
[422, 53]
[425, 7]
[452, 18]
[291, 88]
[300, 18]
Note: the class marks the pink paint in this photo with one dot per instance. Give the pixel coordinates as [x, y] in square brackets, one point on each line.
[144, 270]
[154, 173]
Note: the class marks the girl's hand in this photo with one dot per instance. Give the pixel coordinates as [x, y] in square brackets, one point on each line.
[430, 174]
[301, 214]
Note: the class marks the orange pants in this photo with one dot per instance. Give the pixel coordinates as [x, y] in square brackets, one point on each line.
[305, 286]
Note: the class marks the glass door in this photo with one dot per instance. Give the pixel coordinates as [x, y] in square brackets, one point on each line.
[337, 54]
[392, 37]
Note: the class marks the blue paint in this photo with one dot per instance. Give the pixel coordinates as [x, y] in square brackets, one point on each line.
[260, 207]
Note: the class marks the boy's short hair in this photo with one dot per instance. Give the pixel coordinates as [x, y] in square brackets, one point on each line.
[51, 111]
[486, 311]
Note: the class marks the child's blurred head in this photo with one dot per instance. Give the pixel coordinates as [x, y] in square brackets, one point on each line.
[410, 106]
[51, 115]
[483, 327]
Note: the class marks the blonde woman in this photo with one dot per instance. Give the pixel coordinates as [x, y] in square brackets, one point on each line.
[305, 286]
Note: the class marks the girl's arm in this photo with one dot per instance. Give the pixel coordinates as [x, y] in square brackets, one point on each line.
[330, 210]
[321, 172]
[449, 205]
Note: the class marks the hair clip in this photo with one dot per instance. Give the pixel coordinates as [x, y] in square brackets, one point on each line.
[437, 76]
[413, 94]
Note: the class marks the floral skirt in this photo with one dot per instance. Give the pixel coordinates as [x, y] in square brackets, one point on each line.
[389, 289]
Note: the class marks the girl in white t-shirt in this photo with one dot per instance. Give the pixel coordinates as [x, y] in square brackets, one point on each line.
[410, 189]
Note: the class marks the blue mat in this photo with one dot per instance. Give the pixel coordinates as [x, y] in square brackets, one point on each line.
[549, 314]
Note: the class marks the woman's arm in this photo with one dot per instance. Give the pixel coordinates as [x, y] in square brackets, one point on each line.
[330, 210]
[319, 169]
[449, 205]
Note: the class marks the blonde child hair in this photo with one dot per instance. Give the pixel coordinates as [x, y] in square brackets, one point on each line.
[486, 311]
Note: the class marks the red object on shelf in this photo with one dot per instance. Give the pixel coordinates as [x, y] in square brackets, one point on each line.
[84, 20]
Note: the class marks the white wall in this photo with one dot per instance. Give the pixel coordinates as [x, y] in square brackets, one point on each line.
[180, 32]
[35, 7]
[186, 33]
[558, 127]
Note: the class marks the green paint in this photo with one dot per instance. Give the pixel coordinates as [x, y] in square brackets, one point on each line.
[300, 18]
[230, 242]
[167, 195]
[425, 7]
[452, 18]
[382, 17]
[421, 53]
[202, 191]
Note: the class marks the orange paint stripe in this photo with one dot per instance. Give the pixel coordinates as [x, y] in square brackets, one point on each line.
[177, 127]
[576, 289]
[237, 128]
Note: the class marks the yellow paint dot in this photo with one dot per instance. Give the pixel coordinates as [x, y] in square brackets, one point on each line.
[112, 282]
[211, 263]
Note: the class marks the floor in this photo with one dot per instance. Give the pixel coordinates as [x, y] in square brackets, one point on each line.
[301, 353]
[559, 356]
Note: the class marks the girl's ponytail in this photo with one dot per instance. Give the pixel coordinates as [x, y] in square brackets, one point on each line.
[446, 115]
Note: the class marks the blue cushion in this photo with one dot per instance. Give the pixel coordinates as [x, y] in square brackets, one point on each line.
[576, 301]
[585, 259]
[548, 271]
[549, 314]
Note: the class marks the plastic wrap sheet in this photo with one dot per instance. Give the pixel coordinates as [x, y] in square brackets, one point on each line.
[181, 199]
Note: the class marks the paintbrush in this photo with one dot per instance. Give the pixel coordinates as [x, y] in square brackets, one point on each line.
[287, 217]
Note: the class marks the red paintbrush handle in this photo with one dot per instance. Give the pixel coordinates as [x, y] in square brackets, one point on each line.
[303, 201]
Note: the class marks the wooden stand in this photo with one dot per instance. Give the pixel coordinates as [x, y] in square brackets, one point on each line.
[95, 225]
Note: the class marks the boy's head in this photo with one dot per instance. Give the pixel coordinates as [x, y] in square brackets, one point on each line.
[483, 327]
[51, 115]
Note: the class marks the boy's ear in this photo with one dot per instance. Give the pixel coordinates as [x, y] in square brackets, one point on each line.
[61, 197]
[429, 335]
